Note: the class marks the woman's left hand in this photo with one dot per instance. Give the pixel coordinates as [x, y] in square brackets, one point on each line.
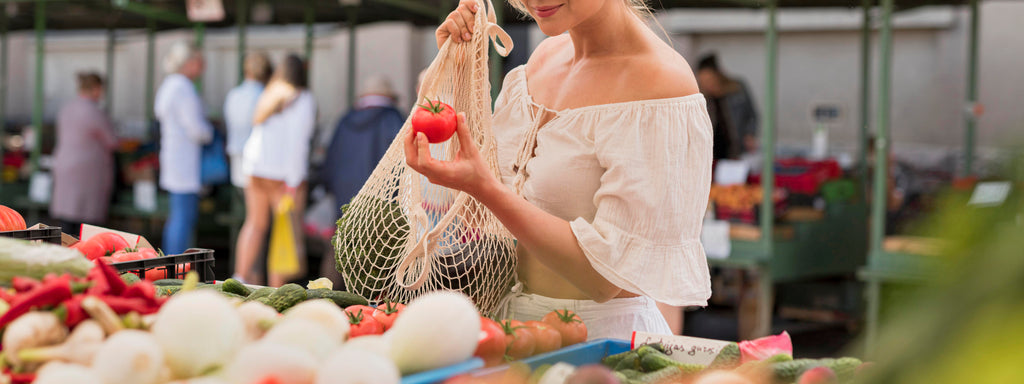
[466, 172]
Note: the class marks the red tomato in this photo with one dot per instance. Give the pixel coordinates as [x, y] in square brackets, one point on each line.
[362, 324]
[10, 220]
[106, 259]
[547, 339]
[386, 313]
[519, 339]
[491, 345]
[568, 324]
[365, 310]
[91, 250]
[436, 120]
[111, 242]
[132, 254]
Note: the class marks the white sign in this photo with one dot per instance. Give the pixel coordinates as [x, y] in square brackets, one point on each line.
[731, 172]
[714, 236]
[205, 10]
[144, 193]
[39, 187]
[990, 194]
[684, 349]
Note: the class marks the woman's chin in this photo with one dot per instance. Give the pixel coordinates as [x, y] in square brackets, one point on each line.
[552, 29]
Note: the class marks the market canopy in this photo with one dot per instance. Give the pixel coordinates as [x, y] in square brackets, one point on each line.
[102, 14]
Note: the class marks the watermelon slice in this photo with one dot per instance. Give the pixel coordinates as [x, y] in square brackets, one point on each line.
[765, 347]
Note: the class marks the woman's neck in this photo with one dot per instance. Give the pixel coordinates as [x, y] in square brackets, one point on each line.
[611, 31]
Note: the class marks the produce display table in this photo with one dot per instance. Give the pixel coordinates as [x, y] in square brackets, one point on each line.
[835, 245]
[889, 268]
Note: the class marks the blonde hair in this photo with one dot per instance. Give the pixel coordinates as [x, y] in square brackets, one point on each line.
[257, 66]
[639, 7]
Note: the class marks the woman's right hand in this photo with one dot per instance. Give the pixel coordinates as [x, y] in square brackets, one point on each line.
[459, 24]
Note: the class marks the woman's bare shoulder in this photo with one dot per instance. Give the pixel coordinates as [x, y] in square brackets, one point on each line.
[661, 75]
[549, 49]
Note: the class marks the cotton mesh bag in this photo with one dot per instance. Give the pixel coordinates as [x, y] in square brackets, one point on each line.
[402, 236]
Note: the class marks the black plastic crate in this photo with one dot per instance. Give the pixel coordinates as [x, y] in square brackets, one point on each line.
[46, 234]
[201, 261]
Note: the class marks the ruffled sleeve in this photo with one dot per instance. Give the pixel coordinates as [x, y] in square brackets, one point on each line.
[645, 235]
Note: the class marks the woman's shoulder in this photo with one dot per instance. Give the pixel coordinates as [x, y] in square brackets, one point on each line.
[660, 75]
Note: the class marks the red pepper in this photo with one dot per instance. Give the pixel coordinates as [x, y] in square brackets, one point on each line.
[49, 294]
[143, 290]
[123, 305]
[72, 312]
[99, 282]
[117, 286]
[22, 284]
[22, 378]
[7, 295]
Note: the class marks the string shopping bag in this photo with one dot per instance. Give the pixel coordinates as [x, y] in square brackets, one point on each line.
[402, 236]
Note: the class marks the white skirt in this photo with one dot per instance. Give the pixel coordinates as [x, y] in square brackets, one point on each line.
[616, 318]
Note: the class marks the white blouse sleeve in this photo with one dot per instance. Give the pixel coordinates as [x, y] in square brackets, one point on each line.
[645, 236]
[301, 123]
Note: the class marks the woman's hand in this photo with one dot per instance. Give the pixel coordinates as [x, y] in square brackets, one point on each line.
[466, 172]
[459, 24]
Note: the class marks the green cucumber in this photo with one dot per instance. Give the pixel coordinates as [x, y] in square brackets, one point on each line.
[728, 357]
[341, 298]
[657, 361]
[130, 278]
[286, 297]
[236, 287]
[169, 282]
[260, 292]
[612, 360]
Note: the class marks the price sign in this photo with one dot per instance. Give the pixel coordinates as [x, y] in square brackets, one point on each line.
[684, 349]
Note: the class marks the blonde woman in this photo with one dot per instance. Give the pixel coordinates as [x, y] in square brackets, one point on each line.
[604, 145]
[276, 160]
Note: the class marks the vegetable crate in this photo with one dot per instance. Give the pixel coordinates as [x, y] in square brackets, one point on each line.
[442, 374]
[47, 235]
[174, 266]
[590, 352]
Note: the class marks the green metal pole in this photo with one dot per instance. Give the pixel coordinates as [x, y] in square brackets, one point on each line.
[350, 94]
[880, 198]
[446, 7]
[310, 18]
[108, 94]
[200, 32]
[3, 79]
[40, 98]
[497, 64]
[150, 69]
[972, 90]
[242, 15]
[768, 128]
[865, 89]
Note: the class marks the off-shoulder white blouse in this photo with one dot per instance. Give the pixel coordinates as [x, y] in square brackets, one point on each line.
[632, 179]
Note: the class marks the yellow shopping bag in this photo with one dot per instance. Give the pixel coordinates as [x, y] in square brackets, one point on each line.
[282, 257]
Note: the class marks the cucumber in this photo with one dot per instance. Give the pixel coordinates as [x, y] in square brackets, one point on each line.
[236, 287]
[789, 371]
[260, 292]
[232, 295]
[341, 298]
[167, 290]
[630, 374]
[130, 278]
[286, 297]
[657, 361]
[665, 375]
[169, 282]
[630, 361]
[647, 349]
[613, 360]
[728, 357]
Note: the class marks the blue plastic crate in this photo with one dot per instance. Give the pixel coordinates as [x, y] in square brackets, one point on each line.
[442, 374]
[590, 352]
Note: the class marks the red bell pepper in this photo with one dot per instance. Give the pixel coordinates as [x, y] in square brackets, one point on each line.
[71, 311]
[142, 290]
[123, 305]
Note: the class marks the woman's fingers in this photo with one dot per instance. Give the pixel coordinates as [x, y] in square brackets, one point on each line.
[425, 162]
[411, 151]
[466, 143]
[459, 24]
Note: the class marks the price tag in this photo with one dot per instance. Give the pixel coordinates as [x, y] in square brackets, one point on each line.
[990, 194]
[684, 349]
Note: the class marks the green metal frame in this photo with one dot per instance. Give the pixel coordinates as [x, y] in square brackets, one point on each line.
[310, 17]
[3, 80]
[241, 20]
[972, 90]
[108, 94]
[150, 70]
[865, 88]
[353, 21]
[39, 97]
[152, 12]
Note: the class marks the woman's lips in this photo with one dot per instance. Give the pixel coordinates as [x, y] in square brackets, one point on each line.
[547, 11]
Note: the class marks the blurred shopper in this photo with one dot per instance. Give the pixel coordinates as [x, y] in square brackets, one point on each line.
[183, 131]
[731, 109]
[276, 159]
[83, 163]
[360, 140]
[239, 107]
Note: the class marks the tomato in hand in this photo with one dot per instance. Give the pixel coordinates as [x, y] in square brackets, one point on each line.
[436, 120]
[386, 313]
[568, 324]
[362, 324]
[491, 345]
[519, 339]
[547, 339]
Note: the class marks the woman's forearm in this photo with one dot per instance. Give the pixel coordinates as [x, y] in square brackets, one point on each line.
[548, 238]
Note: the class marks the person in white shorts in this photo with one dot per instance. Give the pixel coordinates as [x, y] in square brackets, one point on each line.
[605, 149]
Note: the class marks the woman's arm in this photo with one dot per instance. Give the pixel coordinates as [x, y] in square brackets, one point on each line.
[549, 239]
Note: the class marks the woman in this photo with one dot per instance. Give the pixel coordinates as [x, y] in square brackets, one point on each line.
[276, 160]
[83, 164]
[604, 146]
[183, 131]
